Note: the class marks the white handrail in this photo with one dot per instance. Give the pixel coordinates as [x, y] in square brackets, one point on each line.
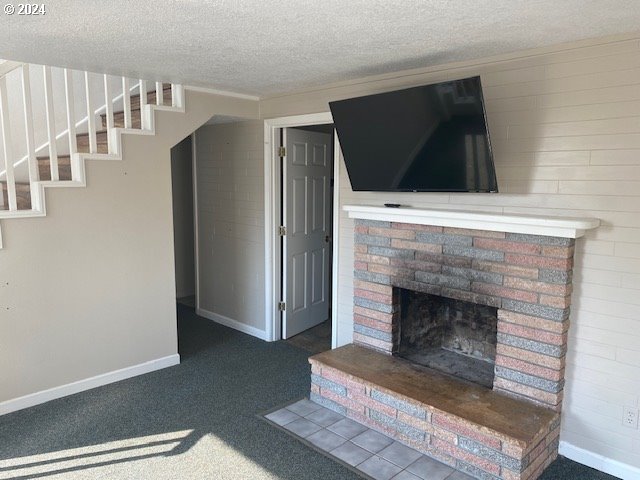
[8, 66]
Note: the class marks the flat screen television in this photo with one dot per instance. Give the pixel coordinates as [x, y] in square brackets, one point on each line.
[432, 138]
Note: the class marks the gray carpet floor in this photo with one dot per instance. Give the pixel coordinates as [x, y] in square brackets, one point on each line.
[196, 420]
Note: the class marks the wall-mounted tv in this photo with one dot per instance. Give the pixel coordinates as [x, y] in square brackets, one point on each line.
[432, 138]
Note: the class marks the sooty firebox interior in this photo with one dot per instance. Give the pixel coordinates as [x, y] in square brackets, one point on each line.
[452, 336]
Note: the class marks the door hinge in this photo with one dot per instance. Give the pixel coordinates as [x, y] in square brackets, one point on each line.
[282, 151]
[282, 306]
[282, 230]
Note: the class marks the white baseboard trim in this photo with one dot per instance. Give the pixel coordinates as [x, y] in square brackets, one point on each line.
[37, 398]
[599, 462]
[231, 323]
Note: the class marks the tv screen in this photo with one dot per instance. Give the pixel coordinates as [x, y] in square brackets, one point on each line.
[432, 138]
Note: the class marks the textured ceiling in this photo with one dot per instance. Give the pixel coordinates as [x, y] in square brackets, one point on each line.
[265, 47]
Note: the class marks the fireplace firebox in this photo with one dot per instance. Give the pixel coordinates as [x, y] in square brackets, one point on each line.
[453, 336]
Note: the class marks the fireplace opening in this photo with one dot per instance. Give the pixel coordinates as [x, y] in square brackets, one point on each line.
[452, 336]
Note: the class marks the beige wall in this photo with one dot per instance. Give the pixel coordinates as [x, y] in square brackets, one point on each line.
[565, 127]
[230, 186]
[89, 288]
[182, 193]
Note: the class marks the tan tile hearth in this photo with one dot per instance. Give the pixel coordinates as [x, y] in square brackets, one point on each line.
[369, 453]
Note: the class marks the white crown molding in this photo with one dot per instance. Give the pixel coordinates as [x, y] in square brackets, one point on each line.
[224, 93]
[567, 227]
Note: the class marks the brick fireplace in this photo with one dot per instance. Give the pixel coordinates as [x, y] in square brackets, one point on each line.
[407, 263]
[527, 277]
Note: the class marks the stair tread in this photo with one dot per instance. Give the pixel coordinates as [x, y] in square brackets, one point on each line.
[23, 195]
[18, 184]
[98, 132]
[60, 157]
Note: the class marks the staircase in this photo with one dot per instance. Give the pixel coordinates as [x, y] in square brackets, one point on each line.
[26, 170]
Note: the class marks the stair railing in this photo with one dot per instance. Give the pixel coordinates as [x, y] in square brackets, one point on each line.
[18, 132]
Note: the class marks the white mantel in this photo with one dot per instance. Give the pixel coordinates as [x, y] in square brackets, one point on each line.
[567, 227]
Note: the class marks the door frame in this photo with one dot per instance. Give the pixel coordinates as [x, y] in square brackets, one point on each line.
[272, 205]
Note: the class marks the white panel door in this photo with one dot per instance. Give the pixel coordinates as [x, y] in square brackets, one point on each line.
[307, 218]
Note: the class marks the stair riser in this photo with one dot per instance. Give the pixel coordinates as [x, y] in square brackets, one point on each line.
[64, 172]
[23, 196]
[118, 117]
[102, 143]
[118, 120]
[151, 98]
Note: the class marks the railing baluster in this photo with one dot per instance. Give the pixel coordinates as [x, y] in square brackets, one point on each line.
[51, 126]
[91, 120]
[6, 146]
[126, 102]
[143, 102]
[108, 99]
[32, 162]
[71, 112]
[71, 124]
[178, 96]
[159, 93]
[174, 102]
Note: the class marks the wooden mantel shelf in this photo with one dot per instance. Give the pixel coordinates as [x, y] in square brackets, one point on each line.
[567, 227]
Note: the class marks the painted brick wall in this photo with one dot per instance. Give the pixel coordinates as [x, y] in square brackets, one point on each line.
[230, 184]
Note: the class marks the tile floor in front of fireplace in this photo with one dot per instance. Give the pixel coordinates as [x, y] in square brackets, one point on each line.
[371, 453]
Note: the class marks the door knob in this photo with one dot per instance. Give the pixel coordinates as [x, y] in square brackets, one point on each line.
[327, 239]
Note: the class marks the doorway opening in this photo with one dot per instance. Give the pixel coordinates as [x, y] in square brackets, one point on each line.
[184, 221]
[273, 254]
[306, 239]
